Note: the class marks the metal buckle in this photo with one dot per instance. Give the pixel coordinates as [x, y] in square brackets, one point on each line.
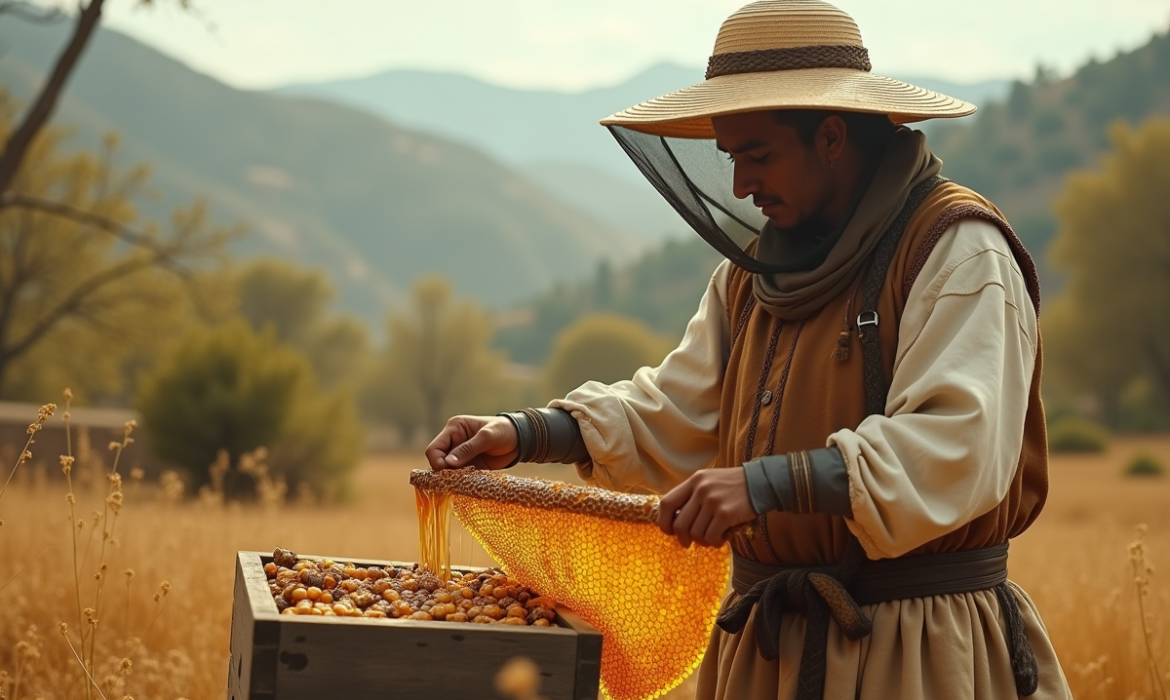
[867, 318]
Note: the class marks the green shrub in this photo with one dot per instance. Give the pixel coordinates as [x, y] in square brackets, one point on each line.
[1144, 465]
[1077, 434]
[600, 347]
[229, 388]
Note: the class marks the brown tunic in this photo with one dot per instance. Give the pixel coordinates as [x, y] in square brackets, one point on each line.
[930, 647]
[811, 393]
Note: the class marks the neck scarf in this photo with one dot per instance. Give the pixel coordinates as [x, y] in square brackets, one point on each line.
[799, 293]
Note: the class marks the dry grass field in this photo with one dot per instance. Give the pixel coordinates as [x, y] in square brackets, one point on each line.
[1076, 563]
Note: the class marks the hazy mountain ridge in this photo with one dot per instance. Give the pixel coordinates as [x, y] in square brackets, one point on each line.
[373, 204]
[517, 126]
[552, 136]
[524, 127]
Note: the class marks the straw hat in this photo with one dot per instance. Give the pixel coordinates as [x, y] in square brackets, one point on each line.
[786, 54]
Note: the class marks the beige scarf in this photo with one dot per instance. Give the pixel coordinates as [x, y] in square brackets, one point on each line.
[800, 294]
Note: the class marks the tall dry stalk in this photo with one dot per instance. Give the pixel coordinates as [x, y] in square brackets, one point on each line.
[1142, 570]
[35, 427]
[271, 492]
[112, 508]
[74, 524]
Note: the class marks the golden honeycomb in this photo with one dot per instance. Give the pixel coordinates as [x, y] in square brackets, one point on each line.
[598, 552]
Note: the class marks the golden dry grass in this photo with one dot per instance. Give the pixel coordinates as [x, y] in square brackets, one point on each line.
[1074, 562]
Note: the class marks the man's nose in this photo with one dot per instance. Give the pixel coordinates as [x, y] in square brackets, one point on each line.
[744, 182]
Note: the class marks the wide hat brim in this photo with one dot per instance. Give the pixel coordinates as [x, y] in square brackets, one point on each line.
[687, 113]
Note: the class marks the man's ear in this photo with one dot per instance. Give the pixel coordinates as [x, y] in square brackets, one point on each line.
[831, 137]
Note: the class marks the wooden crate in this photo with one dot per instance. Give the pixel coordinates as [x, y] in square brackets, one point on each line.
[288, 657]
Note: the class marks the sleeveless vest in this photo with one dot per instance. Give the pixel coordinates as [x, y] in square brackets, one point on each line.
[789, 384]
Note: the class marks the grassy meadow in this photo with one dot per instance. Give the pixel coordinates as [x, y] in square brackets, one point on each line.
[1075, 562]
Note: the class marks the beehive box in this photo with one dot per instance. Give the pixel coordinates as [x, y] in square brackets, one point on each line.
[289, 657]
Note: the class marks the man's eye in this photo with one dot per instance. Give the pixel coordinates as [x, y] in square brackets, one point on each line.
[758, 159]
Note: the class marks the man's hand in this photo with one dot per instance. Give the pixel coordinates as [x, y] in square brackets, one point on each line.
[483, 442]
[705, 507]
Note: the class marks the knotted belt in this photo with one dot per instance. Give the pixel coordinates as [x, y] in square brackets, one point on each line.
[821, 593]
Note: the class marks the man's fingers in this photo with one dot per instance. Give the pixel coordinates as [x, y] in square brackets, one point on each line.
[702, 522]
[684, 521]
[669, 505]
[716, 533]
[465, 453]
[457, 430]
[436, 452]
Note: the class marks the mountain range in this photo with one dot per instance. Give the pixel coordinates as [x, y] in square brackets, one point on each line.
[552, 136]
[373, 204]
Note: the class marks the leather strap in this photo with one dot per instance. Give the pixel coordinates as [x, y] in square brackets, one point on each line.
[875, 279]
[896, 579]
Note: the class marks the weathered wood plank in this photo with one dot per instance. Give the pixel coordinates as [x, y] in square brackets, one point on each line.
[240, 660]
[588, 662]
[405, 658]
[289, 657]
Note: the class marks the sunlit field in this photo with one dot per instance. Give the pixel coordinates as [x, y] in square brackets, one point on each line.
[1076, 563]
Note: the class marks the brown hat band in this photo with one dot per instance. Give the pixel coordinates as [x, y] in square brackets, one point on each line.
[766, 60]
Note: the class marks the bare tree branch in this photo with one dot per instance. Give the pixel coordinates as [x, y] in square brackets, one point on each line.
[42, 109]
[24, 11]
[162, 255]
[127, 234]
[70, 304]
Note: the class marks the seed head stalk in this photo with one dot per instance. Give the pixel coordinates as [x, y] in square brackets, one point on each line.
[71, 498]
[1141, 581]
[92, 685]
[43, 415]
[113, 506]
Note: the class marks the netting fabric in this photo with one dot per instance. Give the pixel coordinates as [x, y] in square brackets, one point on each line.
[600, 553]
[696, 178]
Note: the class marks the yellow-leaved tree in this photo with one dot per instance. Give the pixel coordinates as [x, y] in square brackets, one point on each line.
[85, 297]
[438, 362]
[294, 303]
[601, 347]
[1107, 334]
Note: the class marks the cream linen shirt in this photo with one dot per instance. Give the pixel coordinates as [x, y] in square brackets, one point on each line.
[944, 453]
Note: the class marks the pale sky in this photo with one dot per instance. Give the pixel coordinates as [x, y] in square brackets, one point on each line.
[570, 44]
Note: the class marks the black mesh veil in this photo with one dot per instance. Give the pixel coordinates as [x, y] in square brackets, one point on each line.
[696, 179]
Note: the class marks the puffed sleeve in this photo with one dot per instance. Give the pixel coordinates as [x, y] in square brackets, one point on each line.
[649, 433]
[948, 446]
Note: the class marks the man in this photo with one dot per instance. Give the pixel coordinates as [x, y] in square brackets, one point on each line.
[855, 406]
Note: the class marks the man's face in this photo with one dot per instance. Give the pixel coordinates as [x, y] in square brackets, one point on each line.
[789, 180]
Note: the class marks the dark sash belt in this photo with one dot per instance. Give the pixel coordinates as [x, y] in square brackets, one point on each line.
[837, 592]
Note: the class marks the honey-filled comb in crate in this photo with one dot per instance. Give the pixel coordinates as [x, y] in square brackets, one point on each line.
[596, 551]
[312, 627]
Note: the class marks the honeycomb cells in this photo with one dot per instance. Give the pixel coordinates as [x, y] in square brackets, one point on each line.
[600, 553]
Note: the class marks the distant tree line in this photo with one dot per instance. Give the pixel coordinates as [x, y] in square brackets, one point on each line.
[1017, 152]
[661, 290]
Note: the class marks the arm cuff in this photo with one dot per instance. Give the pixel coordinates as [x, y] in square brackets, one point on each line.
[547, 435]
[800, 482]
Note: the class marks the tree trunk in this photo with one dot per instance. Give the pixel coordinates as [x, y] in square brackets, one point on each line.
[1161, 365]
[46, 102]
